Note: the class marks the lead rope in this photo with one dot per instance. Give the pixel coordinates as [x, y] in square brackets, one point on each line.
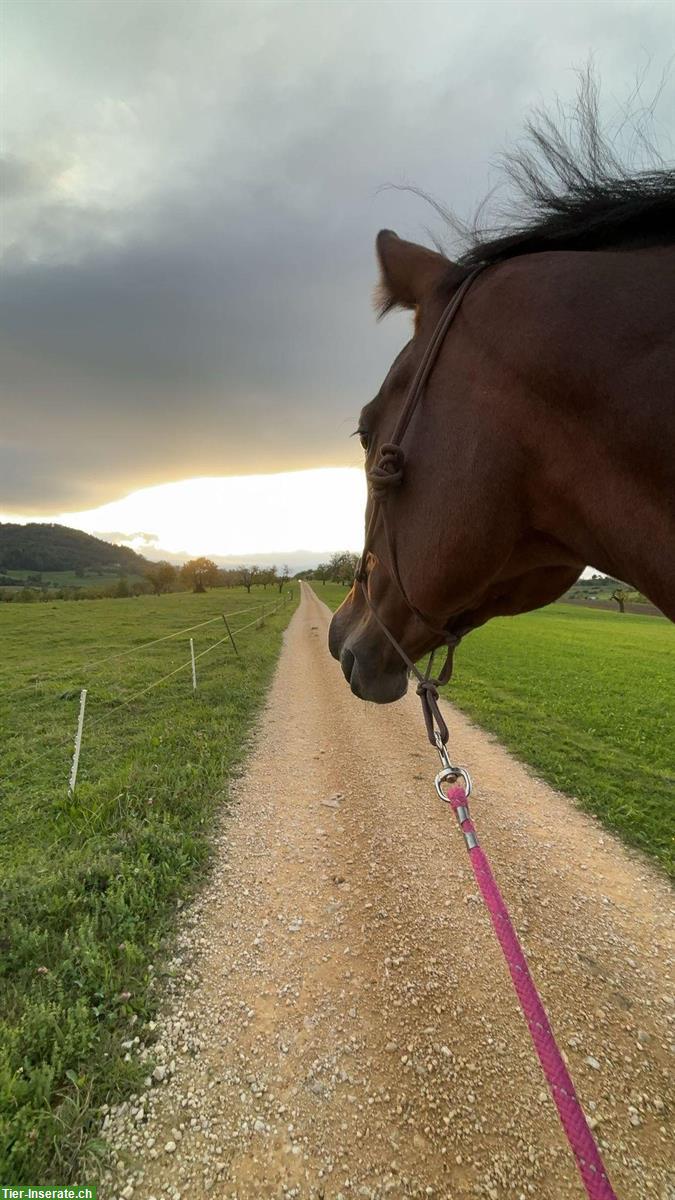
[572, 1116]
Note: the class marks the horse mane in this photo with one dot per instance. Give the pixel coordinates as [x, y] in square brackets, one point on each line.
[574, 193]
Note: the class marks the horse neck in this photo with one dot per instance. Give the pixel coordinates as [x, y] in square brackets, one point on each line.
[630, 535]
[584, 343]
[607, 489]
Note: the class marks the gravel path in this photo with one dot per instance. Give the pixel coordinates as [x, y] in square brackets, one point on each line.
[341, 1023]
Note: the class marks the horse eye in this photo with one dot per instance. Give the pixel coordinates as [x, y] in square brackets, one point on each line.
[363, 438]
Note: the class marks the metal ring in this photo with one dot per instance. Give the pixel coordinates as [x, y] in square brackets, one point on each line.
[446, 775]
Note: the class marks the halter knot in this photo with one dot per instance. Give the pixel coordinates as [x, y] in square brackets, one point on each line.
[388, 471]
[433, 717]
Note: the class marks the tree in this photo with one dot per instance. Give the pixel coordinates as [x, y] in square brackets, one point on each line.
[266, 575]
[343, 566]
[199, 574]
[322, 572]
[162, 576]
[247, 575]
[283, 577]
[620, 595]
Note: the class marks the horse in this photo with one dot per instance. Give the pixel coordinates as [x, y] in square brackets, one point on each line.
[544, 439]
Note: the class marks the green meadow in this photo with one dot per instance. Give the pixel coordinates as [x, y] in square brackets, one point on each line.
[587, 699]
[83, 580]
[91, 883]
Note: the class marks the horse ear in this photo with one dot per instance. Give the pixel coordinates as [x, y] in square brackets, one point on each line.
[407, 272]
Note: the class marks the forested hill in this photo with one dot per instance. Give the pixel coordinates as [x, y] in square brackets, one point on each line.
[56, 548]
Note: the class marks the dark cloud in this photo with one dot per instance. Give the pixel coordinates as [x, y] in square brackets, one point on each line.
[189, 256]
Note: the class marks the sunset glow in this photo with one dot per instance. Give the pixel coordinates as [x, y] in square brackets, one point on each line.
[240, 515]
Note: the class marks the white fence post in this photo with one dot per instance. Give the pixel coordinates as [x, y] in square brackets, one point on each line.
[78, 742]
[194, 665]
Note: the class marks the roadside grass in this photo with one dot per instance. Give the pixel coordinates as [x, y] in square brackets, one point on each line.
[586, 698]
[91, 884]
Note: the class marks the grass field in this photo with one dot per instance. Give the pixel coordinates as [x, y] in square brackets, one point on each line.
[93, 579]
[72, 578]
[90, 885]
[587, 698]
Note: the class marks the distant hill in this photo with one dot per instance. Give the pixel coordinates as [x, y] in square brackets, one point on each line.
[42, 547]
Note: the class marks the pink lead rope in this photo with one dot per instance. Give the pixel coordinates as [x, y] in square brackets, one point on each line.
[571, 1114]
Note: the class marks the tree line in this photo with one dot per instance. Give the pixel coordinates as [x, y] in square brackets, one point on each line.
[197, 575]
[340, 568]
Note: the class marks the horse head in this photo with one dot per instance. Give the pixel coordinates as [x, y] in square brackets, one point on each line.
[449, 538]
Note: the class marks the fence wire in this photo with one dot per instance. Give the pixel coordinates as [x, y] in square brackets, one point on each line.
[67, 740]
[98, 662]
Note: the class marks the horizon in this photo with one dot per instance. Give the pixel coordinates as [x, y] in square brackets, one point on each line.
[299, 558]
[159, 522]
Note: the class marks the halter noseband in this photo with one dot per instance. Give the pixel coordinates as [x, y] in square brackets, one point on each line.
[386, 475]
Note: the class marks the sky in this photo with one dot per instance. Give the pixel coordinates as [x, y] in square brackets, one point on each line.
[191, 191]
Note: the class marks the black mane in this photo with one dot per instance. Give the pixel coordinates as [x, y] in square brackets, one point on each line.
[637, 211]
[575, 193]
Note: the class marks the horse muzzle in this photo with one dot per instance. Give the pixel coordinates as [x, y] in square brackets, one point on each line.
[371, 670]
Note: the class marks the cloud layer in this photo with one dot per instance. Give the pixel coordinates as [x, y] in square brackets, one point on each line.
[191, 198]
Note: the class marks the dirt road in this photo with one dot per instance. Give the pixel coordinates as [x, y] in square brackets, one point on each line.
[341, 1022]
